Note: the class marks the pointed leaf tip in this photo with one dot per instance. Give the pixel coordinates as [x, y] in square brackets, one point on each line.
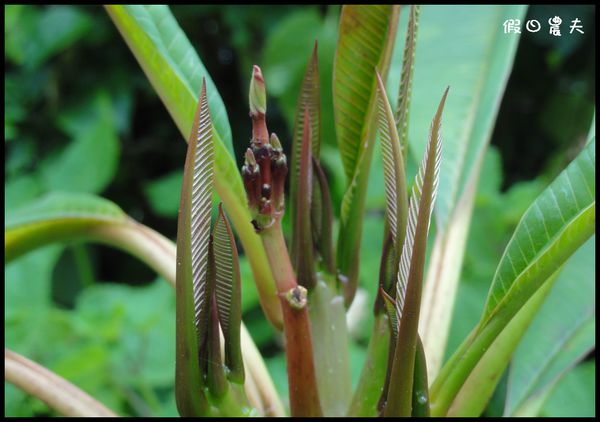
[228, 294]
[393, 167]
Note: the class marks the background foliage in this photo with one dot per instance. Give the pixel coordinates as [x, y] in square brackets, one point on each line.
[80, 116]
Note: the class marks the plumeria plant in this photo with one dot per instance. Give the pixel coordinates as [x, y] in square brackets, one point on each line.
[308, 278]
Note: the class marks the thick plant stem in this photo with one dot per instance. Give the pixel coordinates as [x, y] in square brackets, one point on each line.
[370, 385]
[55, 391]
[420, 403]
[304, 397]
[328, 322]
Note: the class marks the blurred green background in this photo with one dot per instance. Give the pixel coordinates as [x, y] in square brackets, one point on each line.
[80, 116]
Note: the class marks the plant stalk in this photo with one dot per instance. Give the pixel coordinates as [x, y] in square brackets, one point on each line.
[370, 385]
[328, 322]
[303, 391]
[55, 391]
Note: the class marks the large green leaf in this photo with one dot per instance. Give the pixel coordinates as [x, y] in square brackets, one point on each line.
[172, 66]
[475, 59]
[366, 40]
[560, 335]
[560, 220]
[575, 395]
[93, 154]
[555, 225]
[156, 39]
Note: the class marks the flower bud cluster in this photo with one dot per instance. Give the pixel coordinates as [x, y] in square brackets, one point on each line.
[265, 164]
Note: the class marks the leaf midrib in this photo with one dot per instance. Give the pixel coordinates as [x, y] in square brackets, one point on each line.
[551, 242]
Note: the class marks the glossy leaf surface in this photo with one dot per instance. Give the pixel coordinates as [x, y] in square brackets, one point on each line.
[365, 42]
[173, 68]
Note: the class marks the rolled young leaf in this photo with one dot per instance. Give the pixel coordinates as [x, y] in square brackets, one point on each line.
[228, 295]
[304, 258]
[62, 217]
[322, 218]
[405, 91]
[410, 274]
[308, 100]
[193, 232]
[393, 168]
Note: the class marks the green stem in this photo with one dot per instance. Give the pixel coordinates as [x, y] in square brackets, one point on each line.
[328, 322]
[459, 367]
[478, 388]
[303, 391]
[234, 403]
[55, 391]
[370, 385]
[420, 402]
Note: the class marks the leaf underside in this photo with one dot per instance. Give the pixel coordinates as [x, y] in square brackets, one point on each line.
[228, 294]
[410, 272]
[193, 243]
[404, 94]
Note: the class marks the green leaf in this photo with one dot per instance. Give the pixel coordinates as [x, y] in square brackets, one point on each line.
[559, 221]
[555, 225]
[284, 61]
[365, 42]
[365, 38]
[477, 61]
[560, 335]
[410, 272]
[163, 194]
[483, 379]
[92, 155]
[575, 395]
[229, 295]
[171, 63]
[33, 34]
[193, 235]
[175, 73]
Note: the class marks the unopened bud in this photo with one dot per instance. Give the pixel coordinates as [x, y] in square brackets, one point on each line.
[278, 173]
[250, 159]
[275, 143]
[257, 95]
[252, 184]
